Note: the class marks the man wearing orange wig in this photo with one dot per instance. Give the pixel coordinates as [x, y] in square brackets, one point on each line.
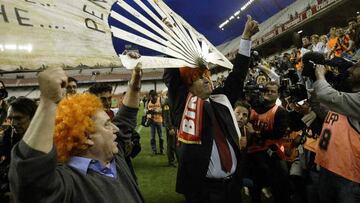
[208, 135]
[85, 164]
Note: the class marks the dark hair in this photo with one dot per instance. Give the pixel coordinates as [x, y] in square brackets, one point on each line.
[272, 83]
[152, 93]
[262, 74]
[351, 19]
[24, 105]
[71, 79]
[242, 103]
[305, 36]
[99, 88]
[245, 104]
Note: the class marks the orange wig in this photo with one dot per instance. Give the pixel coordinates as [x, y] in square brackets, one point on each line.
[74, 123]
[190, 75]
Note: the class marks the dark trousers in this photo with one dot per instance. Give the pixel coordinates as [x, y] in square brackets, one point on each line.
[215, 191]
[268, 171]
[336, 189]
[156, 127]
[171, 147]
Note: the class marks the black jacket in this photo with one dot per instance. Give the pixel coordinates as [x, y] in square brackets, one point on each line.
[194, 158]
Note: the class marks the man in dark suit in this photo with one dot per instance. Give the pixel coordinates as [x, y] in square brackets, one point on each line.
[209, 152]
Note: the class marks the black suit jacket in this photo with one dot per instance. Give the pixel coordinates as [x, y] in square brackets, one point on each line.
[194, 158]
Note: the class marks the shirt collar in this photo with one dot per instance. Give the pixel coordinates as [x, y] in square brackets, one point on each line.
[83, 164]
[79, 163]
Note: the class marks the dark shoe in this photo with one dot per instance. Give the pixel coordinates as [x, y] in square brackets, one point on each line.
[172, 165]
[153, 153]
[161, 152]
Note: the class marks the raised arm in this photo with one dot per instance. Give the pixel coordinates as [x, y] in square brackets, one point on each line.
[125, 118]
[177, 93]
[33, 164]
[39, 135]
[234, 82]
[132, 96]
[341, 102]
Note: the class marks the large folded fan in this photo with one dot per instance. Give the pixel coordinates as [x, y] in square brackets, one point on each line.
[165, 32]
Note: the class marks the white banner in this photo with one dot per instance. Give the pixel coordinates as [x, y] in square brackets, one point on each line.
[37, 33]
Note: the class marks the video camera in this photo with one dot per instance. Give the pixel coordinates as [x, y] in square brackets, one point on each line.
[253, 93]
[338, 65]
[254, 59]
[291, 87]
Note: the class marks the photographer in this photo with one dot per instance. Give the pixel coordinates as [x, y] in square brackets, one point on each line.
[271, 121]
[20, 114]
[154, 112]
[338, 153]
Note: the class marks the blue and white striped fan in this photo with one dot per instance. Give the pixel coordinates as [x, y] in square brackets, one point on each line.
[162, 30]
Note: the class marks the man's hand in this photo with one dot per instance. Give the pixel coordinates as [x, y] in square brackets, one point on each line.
[251, 27]
[320, 72]
[172, 132]
[39, 135]
[132, 96]
[133, 54]
[250, 128]
[50, 82]
[135, 81]
[243, 142]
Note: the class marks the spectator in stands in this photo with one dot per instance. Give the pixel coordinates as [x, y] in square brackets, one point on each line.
[338, 153]
[317, 45]
[208, 158]
[356, 40]
[293, 54]
[104, 92]
[21, 111]
[351, 27]
[306, 45]
[343, 44]
[332, 41]
[92, 166]
[71, 86]
[353, 33]
[324, 40]
[154, 111]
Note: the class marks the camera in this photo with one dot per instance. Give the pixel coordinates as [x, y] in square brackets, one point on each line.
[254, 93]
[337, 74]
[254, 58]
[291, 87]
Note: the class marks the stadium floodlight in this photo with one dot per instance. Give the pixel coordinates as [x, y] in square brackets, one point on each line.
[237, 13]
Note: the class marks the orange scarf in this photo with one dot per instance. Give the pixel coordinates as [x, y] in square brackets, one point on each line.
[191, 122]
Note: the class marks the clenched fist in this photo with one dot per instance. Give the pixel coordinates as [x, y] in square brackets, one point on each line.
[251, 27]
[50, 82]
